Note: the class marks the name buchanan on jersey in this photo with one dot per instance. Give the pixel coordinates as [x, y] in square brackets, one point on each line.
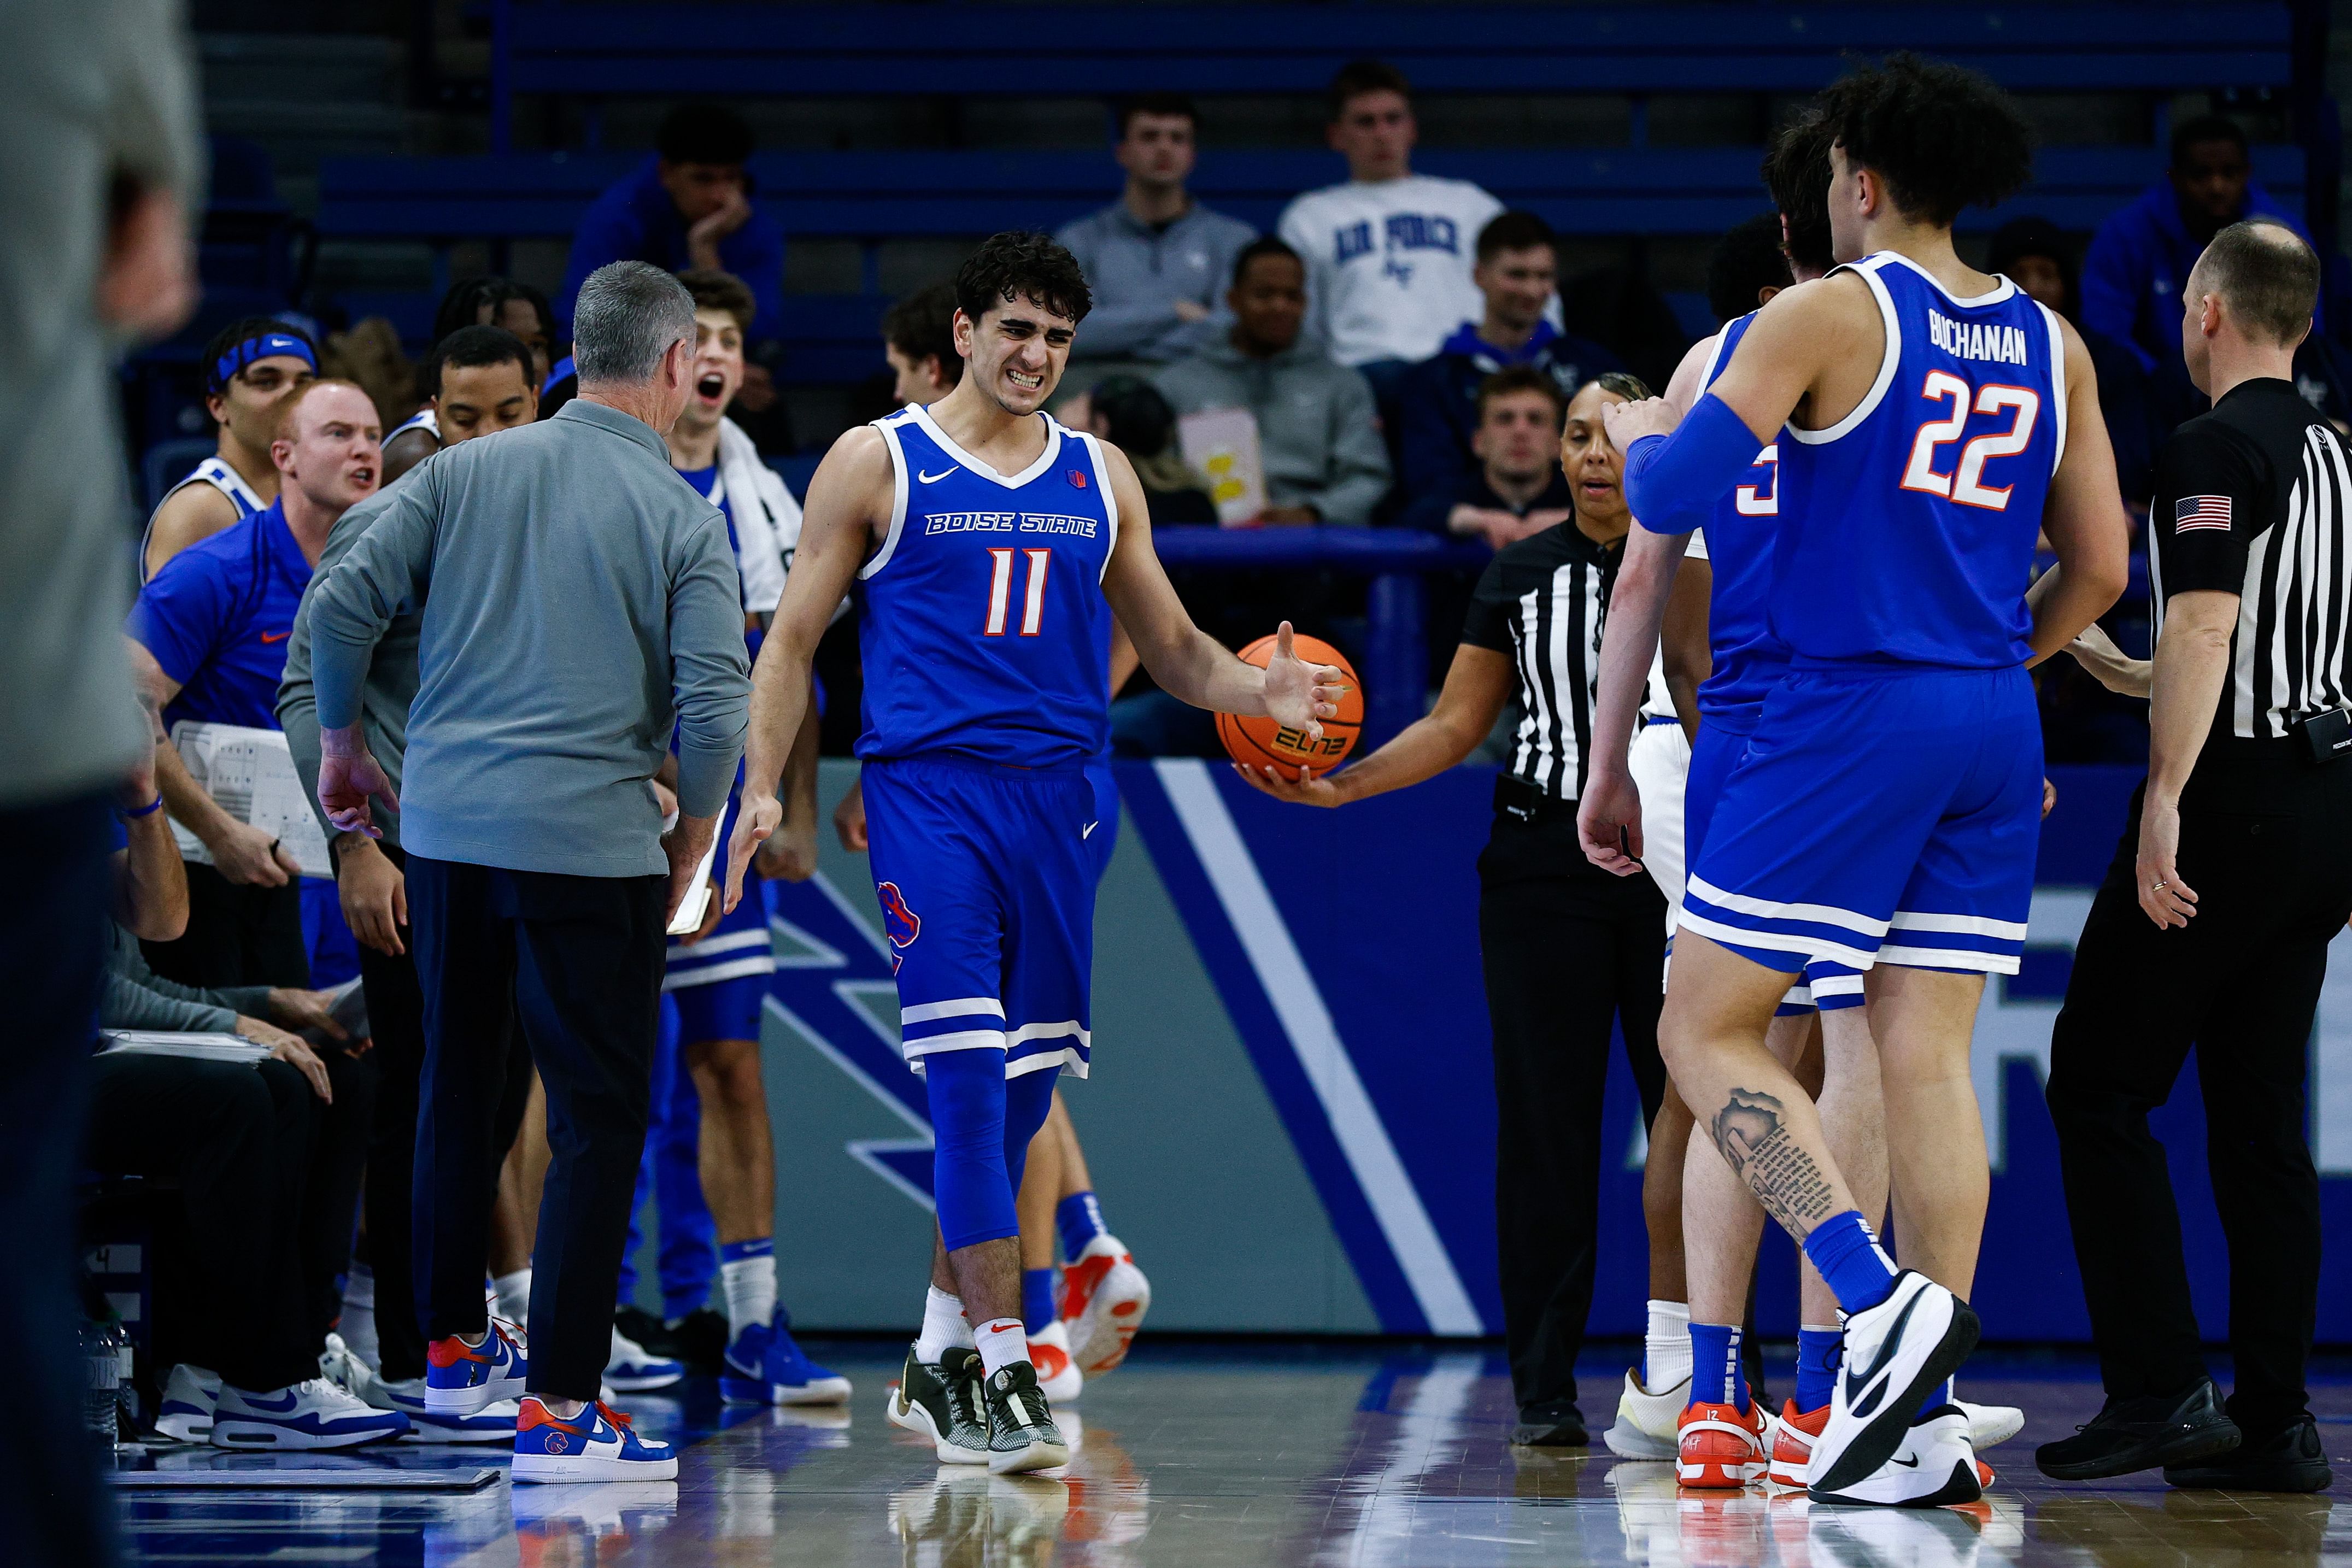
[1007, 523]
[1977, 341]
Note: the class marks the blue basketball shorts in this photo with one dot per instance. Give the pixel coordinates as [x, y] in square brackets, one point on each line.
[1102, 837]
[986, 877]
[721, 982]
[1714, 755]
[1887, 817]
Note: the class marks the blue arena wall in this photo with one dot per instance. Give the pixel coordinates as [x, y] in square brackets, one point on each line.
[1291, 1116]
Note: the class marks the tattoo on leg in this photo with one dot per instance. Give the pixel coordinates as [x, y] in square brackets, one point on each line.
[1753, 1138]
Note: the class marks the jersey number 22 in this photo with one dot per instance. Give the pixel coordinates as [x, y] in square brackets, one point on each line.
[1964, 484]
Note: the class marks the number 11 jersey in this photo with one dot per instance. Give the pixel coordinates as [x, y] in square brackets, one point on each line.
[983, 631]
[1907, 527]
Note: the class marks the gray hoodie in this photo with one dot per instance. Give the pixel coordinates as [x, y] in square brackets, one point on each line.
[1319, 432]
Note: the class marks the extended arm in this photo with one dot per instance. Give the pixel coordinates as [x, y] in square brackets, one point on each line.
[1476, 687]
[1609, 816]
[2084, 516]
[2192, 660]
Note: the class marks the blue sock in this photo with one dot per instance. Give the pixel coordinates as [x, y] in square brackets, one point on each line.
[1079, 1218]
[1715, 1378]
[1817, 1360]
[1846, 1255]
[1937, 1397]
[1037, 1299]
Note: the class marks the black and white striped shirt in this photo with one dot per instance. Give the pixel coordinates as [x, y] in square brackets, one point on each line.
[2254, 499]
[1543, 601]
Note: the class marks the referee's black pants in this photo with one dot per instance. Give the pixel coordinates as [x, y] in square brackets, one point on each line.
[2266, 844]
[396, 1022]
[581, 957]
[1566, 947]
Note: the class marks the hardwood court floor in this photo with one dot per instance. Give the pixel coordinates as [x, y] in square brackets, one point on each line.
[1205, 1457]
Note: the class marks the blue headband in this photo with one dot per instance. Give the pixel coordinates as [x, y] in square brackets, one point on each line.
[267, 346]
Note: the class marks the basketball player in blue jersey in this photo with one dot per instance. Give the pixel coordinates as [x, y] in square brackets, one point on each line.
[1930, 420]
[249, 367]
[993, 546]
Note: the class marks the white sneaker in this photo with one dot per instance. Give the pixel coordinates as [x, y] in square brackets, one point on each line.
[633, 1369]
[1895, 1353]
[1931, 1467]
[1646, 1424]
[313, 1413]
[1058, 1377]
[343, 1367]
[1990, 1425]
[1104, 1297]
[186, 1413]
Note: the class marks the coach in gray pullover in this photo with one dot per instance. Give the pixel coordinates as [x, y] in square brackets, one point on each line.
[578, 603]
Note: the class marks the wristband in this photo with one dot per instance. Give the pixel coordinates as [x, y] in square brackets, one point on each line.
[148, 809]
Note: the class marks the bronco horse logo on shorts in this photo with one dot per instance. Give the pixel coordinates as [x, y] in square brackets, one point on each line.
[899, 922]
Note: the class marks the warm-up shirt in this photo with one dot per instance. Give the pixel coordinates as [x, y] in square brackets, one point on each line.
[578, 603]
[217, 617]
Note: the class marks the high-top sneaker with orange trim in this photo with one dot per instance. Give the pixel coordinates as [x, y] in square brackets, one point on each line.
[1793, 1443]
[1719, 1447]
[1058, 1377]
[1104, 1297]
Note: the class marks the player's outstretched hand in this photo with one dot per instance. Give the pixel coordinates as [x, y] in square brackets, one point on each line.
[1300, 696]
[1307, 790]
[347, 776]
[1627, 422]
[1608, 821]
[757, 818]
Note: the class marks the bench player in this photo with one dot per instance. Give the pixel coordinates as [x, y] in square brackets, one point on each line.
[249, 367]
[994, 547]
[1928, 419]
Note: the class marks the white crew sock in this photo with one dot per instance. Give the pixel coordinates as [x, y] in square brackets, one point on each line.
[944, 1325]
[1665, 1348]
[750, 1284]
[513, 1292]
[1001, 1343]
[357, 1322]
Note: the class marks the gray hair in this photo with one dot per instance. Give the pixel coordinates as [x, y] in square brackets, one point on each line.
[627, 316]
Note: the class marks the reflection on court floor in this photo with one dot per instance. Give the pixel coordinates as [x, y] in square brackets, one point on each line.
[1199, 1457]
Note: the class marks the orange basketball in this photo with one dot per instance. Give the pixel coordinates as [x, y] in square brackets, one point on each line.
[1256, 741]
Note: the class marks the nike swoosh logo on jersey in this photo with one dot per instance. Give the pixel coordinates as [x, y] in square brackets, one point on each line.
[280, 637]
[1088, 831]
[1857, 1380]
[934, 478]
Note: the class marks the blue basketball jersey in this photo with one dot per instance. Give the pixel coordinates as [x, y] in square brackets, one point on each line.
[1748, 659]
[985, 635]
[1907, 528]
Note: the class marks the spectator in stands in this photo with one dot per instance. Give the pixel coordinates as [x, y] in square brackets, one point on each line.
[473, 383]
[2033, 253]
[689, 206]
[1387, 252]
[209, 634]
[918, 341]
[268, 1164]
[1156, 259]
[1517, 488]
[502, 302]
[1129, 412]
[1319, 440]
[1439, 407]
[249, 367]
[2141, 257]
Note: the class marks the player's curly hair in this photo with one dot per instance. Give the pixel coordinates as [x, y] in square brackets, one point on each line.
[1019, 265]
[1943, 138]
[1797, 172]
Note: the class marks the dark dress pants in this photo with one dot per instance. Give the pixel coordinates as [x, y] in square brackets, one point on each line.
[52, 942]
[582, 958]
[238, 934]
[2267, 847]
[1566, 949]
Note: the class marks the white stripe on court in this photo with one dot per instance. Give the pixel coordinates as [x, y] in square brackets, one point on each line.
[1307, 1023]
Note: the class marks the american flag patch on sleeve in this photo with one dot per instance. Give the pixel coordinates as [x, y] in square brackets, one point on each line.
[2193, 512]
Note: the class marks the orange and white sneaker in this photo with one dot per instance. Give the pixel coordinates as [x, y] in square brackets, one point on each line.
[1104, 1297]
[1718, 1448]
[1793, 1443]
[1058, 1377]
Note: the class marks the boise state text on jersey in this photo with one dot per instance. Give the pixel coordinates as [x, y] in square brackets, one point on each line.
[1908, 526]
[985, 635]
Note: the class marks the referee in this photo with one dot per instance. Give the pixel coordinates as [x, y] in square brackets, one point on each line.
[2211, 928]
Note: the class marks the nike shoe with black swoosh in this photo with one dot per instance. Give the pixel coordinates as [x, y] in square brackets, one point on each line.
[1895, 1353]
[1932, 1467]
